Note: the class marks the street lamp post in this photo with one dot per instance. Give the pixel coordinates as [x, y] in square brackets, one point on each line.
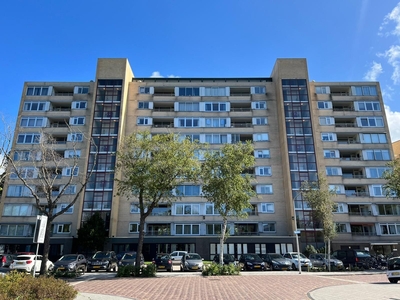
[296, 233]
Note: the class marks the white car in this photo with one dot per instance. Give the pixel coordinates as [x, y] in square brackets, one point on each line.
[304, 261]
[25, 263]
[177, 255]
[393, 270]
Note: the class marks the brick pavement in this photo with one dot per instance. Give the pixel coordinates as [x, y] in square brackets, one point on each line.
[267, 285]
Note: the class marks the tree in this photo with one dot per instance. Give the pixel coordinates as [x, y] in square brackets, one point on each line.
[319, 196]
[392, 186]
[92, 235]
[151, 168]
[225, 185]
[6, 135]
[40, 170]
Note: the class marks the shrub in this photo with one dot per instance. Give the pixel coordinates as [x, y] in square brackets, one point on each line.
[66, 274]
[215, 269]
[309, 250]
[23, 286]
[143, 271]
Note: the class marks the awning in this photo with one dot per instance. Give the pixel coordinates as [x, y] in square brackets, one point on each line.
[383, 244]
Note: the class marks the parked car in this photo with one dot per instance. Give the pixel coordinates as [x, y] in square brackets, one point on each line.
[191, 262]
[276, 262]
[304, 261]
[354, 257]
[103, 260]
[320, 260]
[251, 261]
[163, 261]
[129, 258]
[227, 259]
[177, 255]
[24, 263]
[71, 263]
[6, 260]
[393, 270]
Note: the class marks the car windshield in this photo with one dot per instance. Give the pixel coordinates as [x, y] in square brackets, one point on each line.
[193, 256]
[394, 263]
[275, 255]
[68, 257]
[363, 254]
[129, 256]
[301, 255]
[21, 257]
[228, 257]
[252, 257]
[101, 255]
[164, 256]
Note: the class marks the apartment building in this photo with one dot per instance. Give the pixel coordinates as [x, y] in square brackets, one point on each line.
[299, 128]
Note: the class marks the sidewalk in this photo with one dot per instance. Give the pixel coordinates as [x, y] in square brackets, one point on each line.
[87, 296]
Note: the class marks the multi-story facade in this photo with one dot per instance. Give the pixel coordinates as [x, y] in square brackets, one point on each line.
[298, 128]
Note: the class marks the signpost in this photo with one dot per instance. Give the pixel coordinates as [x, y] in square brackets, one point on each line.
[38, 237]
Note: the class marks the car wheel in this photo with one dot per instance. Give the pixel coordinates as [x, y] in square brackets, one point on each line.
[391, 280]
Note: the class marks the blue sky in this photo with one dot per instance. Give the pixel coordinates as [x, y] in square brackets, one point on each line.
[61, 40]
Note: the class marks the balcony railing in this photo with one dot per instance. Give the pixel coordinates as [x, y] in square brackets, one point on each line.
[360, 213]
[163, 125]
[163, 109]
[345, 125]
[58, 125]
[352, 158]
[358, 176]
[356, 194]
[63, 94]
[341, 94]
[348, 142]
[158, 232]
[247, 233]
[343, 109]
[61, 109]
[363, 233]
[233, 109]
[242, 125]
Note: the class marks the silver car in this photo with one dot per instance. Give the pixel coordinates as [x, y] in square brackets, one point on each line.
[192, 262]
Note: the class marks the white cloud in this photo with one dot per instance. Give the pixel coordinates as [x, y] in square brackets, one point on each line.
[374, 72]
[393, 119]
[157, 74]
[394, 16]
[393, 57]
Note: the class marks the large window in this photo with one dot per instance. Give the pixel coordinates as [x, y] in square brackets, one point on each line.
[36, 106]
[333, 171]
[326, 121]
[19, 210]
[368, 106]
[389, 209]
[61, 228]
[322, 90]
[187, 209]
[79, 105]
[75, 137]
[263, 171]
[25, 172]
[37, 91]
[376, 172]
[216, 122]
[27, 155]
[324, 104]
[191, 137]
[376, 154]
[182, 229]
[143, 121]
[259, 105]
[28, 138]
[215, 106]
[390, 229]
[369, 90]
[213, 229]
[371, 122]
[264, 189]
[331, 154]
[189, 91]
[261, 137]
[260, 121]
[134, 227]
[269, 227]
[210, 210]
[143, 105]
[267, 208]
[144, 90]
[188, 190]
[77, 121]
[18, 191]
[16, 230]
[215, 91]
[262, 153]
[81, 89]
[259, 90]
[328, 137]
[72, 153]
[188, 122]
[189, 106]
[373, 138]
[33, 122]
[216, 138]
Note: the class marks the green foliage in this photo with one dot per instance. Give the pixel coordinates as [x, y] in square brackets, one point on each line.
[132, 271]
[392, 185]
[310, 249]
[23, 286]
[215, 269]
[92, 235]
[66, 274]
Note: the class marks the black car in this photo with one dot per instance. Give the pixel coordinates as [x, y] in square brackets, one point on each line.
[354, 257]
[71, 262]
[251, 261]
[6, 259]
[129, 258]
[163, 262]
[103, 260]
[227, 259]
[276, 262]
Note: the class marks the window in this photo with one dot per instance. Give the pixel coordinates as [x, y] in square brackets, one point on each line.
[143, 121]
[216, 138]
[144, 90]
[16, 230]
[364, 90]
[28, 138]
[75, 137]
[262, 153]
[390, 229]
[260, 121]
[134, 227]
[143, 105]
[61, 228]
[264, 189]
[37, 91]
[324, 105]
[188, 122]
[33, 122]
[181, 229]
[376, 154]
[326, 121]
[188, 190]
[328, 136]
[331, 154]
[71, 170]
[60, 207]
[70, 190]
[263, 171]
[337, 188]
[191, 137]
[216, 122]
[260, 105]
[268, 227]
[82, 90]
[187, 209]
[215, 106]
[259, 90]
[333, 171]
[27, 155]
[341, 228]
[370, 122]
[267, 208]
[322, 90]
[188, 106]
[189, 91]
[389, 209]
[72, 153]
[213, 229]
[373, 138]
[261, 137]
[36, 106]
[210, 210]
[79, 105]
[215, 91]
[368, 106]
[377, 190]
[135, 209]
[19, 210]
[18, 191]
[77, 121]
[25, 172]
[376, 172]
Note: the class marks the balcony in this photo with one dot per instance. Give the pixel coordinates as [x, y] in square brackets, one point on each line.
[163, 125]
[158, 230]
[241, 125]
[346, 125]
[246, 229]
[161, 211]
[350, 193]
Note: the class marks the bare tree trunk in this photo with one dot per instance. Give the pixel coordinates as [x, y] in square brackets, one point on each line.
[221, 242]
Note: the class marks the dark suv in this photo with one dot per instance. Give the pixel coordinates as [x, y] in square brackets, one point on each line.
[103, 260]
[354, 257]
